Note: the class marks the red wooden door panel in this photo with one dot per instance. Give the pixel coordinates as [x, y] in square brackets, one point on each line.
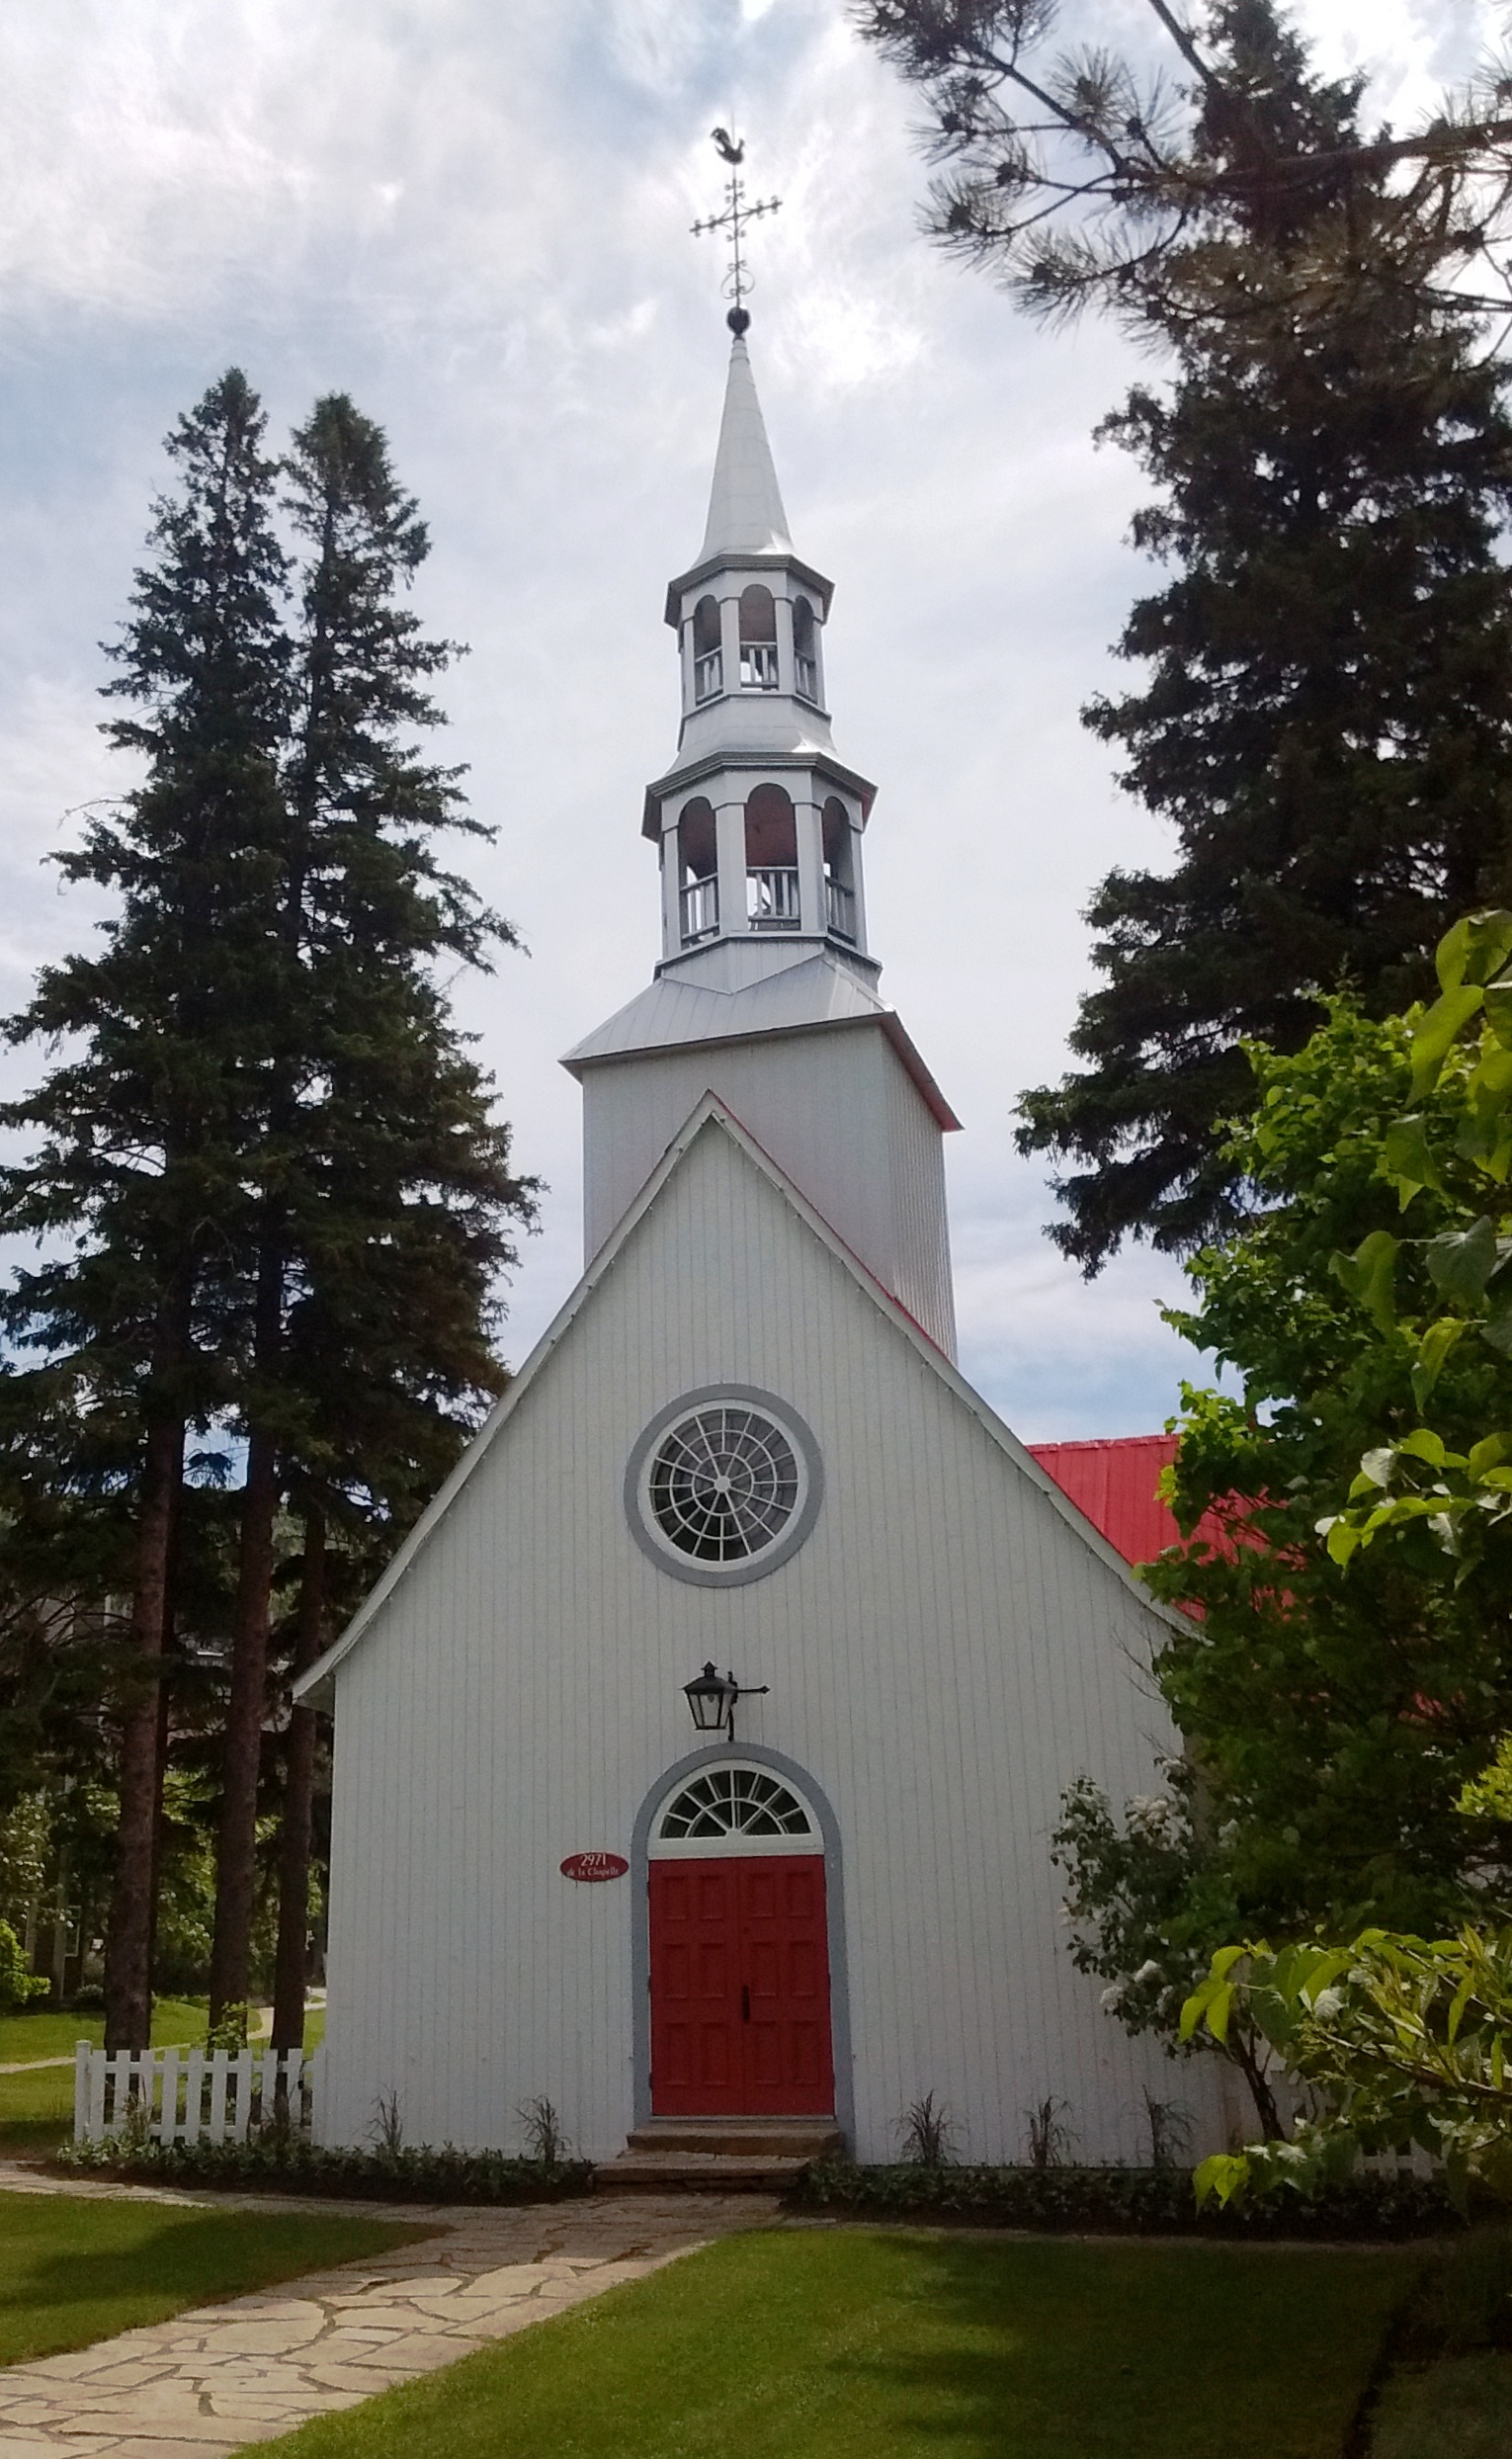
[740, 1989]
[695, 1987]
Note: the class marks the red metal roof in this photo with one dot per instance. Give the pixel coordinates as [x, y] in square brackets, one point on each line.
[1113, 1483]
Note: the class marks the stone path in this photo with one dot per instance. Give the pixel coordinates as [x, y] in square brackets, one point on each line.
[225, 2375]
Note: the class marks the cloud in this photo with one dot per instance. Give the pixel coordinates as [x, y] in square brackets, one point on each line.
[478, 220]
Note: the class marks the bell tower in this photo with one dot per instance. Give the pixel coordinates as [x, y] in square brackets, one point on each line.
[765, 992]
[758, 822]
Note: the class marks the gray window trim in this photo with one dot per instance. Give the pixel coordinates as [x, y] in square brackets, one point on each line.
[733, 1574]
[834, 1912]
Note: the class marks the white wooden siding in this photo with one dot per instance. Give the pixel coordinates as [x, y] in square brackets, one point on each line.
[921, 1246]
[839, 1114]
[944, 1654]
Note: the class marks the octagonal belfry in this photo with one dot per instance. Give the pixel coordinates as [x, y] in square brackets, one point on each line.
[759, 826]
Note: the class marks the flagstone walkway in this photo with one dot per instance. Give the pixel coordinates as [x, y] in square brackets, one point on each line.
[212, 2380]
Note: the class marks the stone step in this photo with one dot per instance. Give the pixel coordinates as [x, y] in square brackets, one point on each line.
[740, 2137]
[697, 2172]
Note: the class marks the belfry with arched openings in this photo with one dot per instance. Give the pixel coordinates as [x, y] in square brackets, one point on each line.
[758, 822]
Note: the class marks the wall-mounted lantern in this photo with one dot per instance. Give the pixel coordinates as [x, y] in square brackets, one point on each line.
[713, 1699]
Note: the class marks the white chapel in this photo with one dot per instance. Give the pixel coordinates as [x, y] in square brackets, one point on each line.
[696, 1757]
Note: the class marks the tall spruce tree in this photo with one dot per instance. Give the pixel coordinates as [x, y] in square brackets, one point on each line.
[137, 1168]
[274, 1198]
[382, 1201]
[1327, 716]
[1326, 722]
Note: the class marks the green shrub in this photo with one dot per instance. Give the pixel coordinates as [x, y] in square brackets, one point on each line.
[19, 1984]
[288, 2164]
[1146, 2202]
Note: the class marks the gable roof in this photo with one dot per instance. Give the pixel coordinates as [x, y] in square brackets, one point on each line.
[1113, 1480]
[711, 1117]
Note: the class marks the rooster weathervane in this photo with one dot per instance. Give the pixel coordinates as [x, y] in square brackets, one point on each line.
[735, 219]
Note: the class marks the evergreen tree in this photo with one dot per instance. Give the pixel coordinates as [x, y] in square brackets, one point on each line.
[1326, 722]
[1081, 171]
[137, 1168]
[278, 1199]
[381, 1193]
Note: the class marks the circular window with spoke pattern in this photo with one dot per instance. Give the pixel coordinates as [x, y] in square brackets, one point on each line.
[724, 1486]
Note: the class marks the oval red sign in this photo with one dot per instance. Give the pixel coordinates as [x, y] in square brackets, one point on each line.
[592, 1866]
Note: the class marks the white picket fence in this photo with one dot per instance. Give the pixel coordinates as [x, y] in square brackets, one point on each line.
[192, 2096]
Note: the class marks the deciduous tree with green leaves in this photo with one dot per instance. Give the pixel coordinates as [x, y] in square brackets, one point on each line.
[1335, 1719]
[1442, 1487]
[1405, 2043]
[1404, 2036]
[1341, 1668]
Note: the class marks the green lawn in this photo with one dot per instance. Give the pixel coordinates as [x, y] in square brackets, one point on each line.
[856, 2343]
[1459, 2410]
[51, 2035]
[72, 2271]
[37, 2110]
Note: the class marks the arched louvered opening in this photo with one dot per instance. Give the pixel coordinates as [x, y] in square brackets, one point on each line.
[758, 640]
[805, 650]
[707, 656]
[839, 870]
[771, 860]
[697, 884]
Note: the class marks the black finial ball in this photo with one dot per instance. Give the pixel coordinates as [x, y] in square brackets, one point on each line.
[740, 321]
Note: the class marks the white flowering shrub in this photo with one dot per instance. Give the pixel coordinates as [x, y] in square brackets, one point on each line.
[1147, 1902]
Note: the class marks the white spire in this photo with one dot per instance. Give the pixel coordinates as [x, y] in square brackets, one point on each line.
[745, 507]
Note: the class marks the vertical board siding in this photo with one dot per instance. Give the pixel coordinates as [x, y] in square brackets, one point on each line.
[945, 1653]
[839, 1115]
[920, 1218]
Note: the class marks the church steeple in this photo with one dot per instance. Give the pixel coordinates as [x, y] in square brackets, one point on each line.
[758, 822]
[745, 504]
[765, 994]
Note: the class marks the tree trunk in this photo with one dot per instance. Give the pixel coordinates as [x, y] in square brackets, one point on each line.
[1247, 2058]
[128, 1934]
[298, 1787]
[164, 1705]
[236, 1857]
[160, 1774]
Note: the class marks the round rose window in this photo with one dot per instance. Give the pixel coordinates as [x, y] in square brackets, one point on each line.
[724, 1486]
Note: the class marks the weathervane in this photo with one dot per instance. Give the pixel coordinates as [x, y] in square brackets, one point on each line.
[736, 215]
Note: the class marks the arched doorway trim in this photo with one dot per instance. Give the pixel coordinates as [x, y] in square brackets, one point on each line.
[815, 1799]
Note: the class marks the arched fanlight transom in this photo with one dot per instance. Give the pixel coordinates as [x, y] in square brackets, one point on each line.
[735, 1810]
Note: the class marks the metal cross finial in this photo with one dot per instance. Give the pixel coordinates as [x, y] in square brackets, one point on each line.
[735, 219]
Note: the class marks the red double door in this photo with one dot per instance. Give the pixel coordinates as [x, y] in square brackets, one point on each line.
[740, 1989]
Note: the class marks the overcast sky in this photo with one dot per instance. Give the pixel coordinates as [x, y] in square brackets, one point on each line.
[473, 215]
